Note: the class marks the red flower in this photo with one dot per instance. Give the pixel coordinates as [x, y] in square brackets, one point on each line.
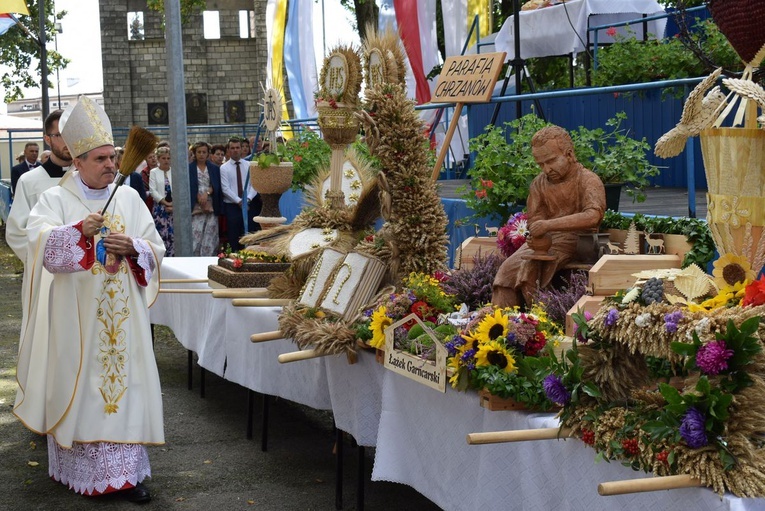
[370, 238]
[237, 263]
[441, 276]
[611, 31]
[298, 158]
[487, 183]
[480, 194]
[221, 255]
[588, 436]
[534, 346]
[304, 144]
[421, 309]
[754, 294]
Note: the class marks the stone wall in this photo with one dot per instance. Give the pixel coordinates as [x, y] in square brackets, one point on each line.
[225, 69]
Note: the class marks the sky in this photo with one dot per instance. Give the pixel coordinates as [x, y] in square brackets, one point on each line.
[83, 47]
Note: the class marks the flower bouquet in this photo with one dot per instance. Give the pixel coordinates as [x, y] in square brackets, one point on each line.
[512, 235]
[422, 295]
[672, 384]
[507, 353]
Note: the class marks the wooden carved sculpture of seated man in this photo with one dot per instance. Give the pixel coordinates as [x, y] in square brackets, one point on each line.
[564, 200]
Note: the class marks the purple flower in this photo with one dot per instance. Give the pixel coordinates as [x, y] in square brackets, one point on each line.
[611, 317]
[468, 355]
[712, 357]
[455, 343]
[692, 428]
[555, 390]
[671, 320]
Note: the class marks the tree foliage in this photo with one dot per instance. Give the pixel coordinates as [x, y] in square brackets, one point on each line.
[18, 51]
[188, 7]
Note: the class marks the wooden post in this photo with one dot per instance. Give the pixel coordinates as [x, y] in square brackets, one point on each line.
[285, 358]
[447, 141]
[187, 291]
[267, 336]
[522, 435]
[465, 79]
[648, 484]
[260, 302]
[241, 292]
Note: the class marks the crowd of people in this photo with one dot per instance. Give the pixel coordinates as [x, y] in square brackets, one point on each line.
[218, 179]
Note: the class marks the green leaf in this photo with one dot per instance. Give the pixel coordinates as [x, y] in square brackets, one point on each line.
[670, 393]
[684, 349]
[591, 389]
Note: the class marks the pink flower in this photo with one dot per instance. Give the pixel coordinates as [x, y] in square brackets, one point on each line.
[512, 235]
[611, 31]
[237, 263]
[712, 357]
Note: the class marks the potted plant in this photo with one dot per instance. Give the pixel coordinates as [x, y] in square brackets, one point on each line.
[308, 153]
[618, 159]
[271, 176]
[502, 171]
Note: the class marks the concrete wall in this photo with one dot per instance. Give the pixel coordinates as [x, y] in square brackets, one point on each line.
[225, 69]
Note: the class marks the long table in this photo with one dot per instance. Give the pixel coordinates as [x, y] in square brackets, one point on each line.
[419, 434]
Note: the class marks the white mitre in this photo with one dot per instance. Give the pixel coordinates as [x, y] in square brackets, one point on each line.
[85, 126]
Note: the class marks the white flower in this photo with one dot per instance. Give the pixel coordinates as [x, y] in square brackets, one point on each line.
[643, 320]
[631, 295]
[702, 327]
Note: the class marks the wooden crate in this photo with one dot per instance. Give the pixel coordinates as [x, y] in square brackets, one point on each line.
[586, 303]
[472, 246]
[614, 272]
[496, 403]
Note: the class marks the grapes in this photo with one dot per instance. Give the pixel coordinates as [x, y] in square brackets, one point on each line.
[653, 291]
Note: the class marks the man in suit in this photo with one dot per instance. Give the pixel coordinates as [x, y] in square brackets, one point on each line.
[31, 150]
[235, 186]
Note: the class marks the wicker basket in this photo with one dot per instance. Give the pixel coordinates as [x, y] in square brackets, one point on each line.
[733, 159]
[338, 123]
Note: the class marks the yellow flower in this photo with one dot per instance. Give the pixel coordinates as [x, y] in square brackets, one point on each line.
[731, 269]
[493, 353]
[380, 321]
[491, 327]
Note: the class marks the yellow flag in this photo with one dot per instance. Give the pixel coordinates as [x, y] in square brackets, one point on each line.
[14, 6]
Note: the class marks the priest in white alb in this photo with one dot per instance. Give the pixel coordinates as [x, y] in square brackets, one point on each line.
[91, 384]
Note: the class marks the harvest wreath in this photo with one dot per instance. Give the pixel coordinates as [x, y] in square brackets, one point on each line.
[710, 423]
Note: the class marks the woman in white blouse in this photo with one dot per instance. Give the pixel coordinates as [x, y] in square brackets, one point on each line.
[160, 187]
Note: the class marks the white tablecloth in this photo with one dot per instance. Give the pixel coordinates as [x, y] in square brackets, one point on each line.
[356, 393]
[419, 433]
[548, 31]
[220, 334]
[421, 442]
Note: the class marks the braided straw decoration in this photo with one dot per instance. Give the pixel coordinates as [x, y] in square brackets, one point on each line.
[699, 112]
[749, 90]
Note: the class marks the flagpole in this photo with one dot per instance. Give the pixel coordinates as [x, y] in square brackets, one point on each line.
[43, 61]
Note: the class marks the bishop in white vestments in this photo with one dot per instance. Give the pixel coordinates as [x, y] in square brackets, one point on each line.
[90, 381]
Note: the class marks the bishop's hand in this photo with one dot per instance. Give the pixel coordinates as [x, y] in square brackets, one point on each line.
[92, 224]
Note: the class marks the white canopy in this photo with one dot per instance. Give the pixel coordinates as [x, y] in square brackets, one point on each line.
[9, 122]
[548, 31]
